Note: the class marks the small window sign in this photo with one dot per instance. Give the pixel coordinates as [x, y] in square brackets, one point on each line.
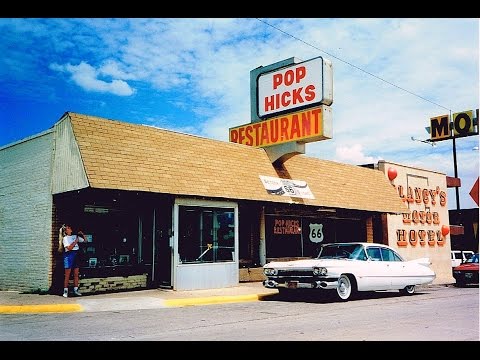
[286, 187]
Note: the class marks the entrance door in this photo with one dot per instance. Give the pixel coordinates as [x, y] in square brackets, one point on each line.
[163, 251]
[155, 252]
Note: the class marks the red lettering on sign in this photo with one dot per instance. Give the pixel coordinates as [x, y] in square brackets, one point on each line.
[284, 129]
[295, 132]
[234, 136]
[287, 98]
[310, 92]
[264, 139]
[256, 127]
[274, 130]
[248, 135]
[289, 77]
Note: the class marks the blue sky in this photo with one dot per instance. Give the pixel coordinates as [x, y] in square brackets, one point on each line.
[193, 75]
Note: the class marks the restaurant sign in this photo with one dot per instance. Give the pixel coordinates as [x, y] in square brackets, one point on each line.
[305, 126]
[297, 86]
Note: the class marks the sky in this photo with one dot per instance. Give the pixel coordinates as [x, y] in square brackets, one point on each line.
[192, 75]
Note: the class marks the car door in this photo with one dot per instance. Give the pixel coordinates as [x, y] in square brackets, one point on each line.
[379, 272]
[398, 270]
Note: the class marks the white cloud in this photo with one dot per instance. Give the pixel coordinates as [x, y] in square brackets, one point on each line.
[354, 154]
[87, 77]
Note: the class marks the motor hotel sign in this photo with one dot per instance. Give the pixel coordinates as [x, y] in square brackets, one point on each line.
[294, 87]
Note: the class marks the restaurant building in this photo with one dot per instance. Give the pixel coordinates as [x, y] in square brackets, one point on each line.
[172, 210]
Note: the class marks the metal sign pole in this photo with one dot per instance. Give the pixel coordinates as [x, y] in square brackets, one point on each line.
[455, 170]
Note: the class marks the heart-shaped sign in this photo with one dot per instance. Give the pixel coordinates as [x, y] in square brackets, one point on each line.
[445, 230]
[392, 173]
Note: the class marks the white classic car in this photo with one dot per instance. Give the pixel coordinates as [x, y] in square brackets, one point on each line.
[349, 268]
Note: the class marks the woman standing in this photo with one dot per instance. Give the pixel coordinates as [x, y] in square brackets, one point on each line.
[70, 257]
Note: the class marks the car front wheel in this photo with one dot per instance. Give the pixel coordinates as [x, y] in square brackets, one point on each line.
[346, 288]
[408, 290]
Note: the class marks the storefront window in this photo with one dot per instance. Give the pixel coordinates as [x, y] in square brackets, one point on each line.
[292, 236]
[206, 234]
[284, 236]
[112, 247]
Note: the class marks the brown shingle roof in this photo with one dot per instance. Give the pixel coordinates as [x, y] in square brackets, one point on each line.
[345, 186]
[125, 156]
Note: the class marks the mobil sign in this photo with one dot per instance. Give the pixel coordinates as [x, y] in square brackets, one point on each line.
[295, 87]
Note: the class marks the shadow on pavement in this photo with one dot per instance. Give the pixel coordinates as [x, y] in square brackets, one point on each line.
[330, 296]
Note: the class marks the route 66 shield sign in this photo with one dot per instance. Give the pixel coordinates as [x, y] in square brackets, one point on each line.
[316, 233]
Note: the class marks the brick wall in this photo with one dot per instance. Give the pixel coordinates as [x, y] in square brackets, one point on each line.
[26, 214]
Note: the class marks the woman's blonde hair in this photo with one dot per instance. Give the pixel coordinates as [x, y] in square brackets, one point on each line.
[61, 234]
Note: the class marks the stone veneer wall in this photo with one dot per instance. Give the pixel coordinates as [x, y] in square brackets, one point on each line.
[99, 285]
[251, 274]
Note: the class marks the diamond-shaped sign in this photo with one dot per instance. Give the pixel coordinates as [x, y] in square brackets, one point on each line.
[474, 192]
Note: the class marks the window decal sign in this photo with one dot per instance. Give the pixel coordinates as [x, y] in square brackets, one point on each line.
[286, 187]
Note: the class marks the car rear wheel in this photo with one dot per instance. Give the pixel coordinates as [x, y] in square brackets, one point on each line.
[408, 290]
[347, 288]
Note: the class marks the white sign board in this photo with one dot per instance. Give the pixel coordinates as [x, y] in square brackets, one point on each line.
[286, 187]
[300, 85]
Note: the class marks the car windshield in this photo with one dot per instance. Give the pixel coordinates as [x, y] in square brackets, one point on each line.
[473, 259]
[342, 251]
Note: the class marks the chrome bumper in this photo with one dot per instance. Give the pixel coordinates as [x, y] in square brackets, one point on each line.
[315, 284]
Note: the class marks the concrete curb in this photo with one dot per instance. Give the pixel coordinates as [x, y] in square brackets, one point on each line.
[128, 303]
[214, 300]
[46, 308]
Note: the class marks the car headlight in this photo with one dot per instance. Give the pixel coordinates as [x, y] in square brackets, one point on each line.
[322, 271]
[270, 271]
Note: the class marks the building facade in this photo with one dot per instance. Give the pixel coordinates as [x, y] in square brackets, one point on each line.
[166, 209]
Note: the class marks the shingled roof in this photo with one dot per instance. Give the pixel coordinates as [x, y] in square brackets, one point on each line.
[125, 156]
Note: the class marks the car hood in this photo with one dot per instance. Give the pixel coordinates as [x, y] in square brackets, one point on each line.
[304, 263]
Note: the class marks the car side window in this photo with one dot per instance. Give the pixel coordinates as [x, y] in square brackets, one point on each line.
[374, 253]
[387, 255]
[396, 257]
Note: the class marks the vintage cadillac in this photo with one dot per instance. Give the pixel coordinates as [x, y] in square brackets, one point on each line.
[350, 268]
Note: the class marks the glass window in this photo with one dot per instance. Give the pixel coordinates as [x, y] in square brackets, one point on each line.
[342, 251]
[374, 253]
[206, 234]
[387, 255]
[397, 257]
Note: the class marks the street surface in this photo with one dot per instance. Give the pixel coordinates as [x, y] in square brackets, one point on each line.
[437, 313]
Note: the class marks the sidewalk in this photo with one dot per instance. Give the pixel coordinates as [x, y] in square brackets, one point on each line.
[14, 302]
